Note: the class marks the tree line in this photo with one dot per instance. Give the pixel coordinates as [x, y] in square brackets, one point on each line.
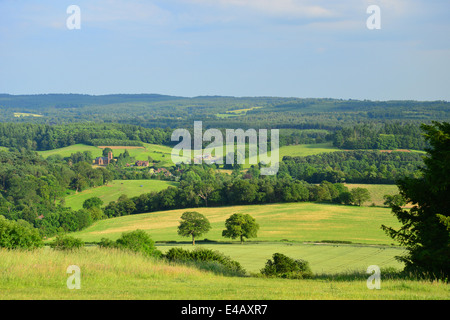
[386, 136]
[204, 186]
[40, 137]
[362, 166]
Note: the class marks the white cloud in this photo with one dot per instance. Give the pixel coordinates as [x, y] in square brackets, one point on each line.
[121, 10]
[277, 8]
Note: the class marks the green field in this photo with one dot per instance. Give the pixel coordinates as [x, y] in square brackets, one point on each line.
[303, 150]
[115, 189]
[297, 229]
[377, 191]
[288, 221]
[323, 258]
[156, 152]
[120, 275]
[26, 114]
[67, 151]
[163, 153]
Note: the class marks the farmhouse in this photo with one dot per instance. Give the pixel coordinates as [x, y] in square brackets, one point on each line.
[162, 171]
[104, 161]
[141, 163]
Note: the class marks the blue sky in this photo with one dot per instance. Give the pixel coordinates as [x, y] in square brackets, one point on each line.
[288, 48]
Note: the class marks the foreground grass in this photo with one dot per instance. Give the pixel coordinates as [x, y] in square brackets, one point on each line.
[112, 274]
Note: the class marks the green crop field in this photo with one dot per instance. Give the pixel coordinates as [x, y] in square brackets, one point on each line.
[115, 189]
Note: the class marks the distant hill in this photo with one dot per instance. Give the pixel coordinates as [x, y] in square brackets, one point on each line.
[157, 110]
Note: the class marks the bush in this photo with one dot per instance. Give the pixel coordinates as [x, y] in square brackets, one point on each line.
[107, 243]
[285, 267]
[137, 241]
[15, 235]
[67, 243]
[206, 259]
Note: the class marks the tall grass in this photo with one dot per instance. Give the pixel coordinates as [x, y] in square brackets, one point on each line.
[115, 274]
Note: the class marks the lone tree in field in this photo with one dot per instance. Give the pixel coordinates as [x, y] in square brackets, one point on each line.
[193, 224]
[360, 195]
[425, 230]
[240, 225]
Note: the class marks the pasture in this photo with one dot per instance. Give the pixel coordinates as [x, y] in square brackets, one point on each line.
[303, 221]
[113, 190]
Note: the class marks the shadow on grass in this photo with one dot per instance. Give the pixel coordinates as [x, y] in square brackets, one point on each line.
[385, 274]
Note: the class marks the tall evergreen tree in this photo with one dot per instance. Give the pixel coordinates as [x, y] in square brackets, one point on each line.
[425, 230]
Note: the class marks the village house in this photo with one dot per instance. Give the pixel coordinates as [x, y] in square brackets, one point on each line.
[142, 164]
[162, 171]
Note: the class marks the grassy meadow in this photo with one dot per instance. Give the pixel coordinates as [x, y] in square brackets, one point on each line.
[107, 274]
[163, 153]
[324, 258]
[113, 190]
[156, 152]
[377, 191]
[311, 231]
[302, 221]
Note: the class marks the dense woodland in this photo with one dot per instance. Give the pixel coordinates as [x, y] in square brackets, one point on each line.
[353, 167]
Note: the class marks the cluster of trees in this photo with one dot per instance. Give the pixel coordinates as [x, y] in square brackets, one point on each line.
[33, 189]
[360, 166]
[388, 136]
[194, 224]
[18, 235]
[307, 136]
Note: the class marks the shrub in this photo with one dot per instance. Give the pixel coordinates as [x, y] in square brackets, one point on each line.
[15, 235]
[67, 243]
[137, 241]
[285, 267]
[107, 243]
[206, 259]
